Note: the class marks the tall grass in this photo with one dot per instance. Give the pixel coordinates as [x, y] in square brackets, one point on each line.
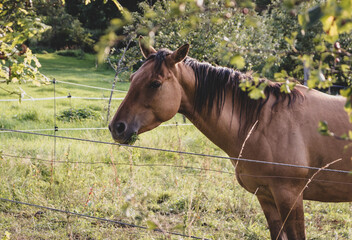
[190, 201]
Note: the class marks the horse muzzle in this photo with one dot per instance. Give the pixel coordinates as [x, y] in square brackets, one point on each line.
[123, 133]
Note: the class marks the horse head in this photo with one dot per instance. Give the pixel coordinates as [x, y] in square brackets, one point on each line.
[154, 95]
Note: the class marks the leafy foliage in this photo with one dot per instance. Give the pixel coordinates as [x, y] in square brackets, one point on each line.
[230, 33]
[77, 115]
[18, 23]
[95, 16]
[217, 33]
[283, 40]
[65, 30]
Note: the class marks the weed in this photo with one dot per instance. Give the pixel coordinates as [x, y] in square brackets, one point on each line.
[31, 115]
[77, 115]
[163, 197]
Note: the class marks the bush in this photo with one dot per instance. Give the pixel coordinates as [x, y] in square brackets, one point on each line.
[78, 115]
[71, 53]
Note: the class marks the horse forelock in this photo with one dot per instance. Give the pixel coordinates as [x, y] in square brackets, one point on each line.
[159, 58]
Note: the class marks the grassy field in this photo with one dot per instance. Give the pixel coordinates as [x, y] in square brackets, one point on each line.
[121, 183]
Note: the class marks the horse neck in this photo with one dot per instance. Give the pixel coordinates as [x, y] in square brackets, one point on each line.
[215, 127]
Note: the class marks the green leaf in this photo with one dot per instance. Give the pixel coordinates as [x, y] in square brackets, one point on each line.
[246, 3]
[311, 83]
[289, 4]
[258, 91]
[151, 225]
[345, 68]
[320, 47]
[116, 22]
[251, 21]
[346, 92]
[256, 94]
[287, 86]
[303, 20]
[323, 128]
[281, 76]
[237, 61]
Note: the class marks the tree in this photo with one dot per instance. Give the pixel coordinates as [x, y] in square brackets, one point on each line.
[276, 42]
[65, 30]
[279, 40]
[95, 17]
[18, 23]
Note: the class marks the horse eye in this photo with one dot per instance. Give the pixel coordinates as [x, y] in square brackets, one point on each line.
[155, 84]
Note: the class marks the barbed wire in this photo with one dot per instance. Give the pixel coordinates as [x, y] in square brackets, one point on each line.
[87, 129]
[172, 166]
[181, 152]
[52, 98]
[119, 163]
[99, 218]
[54, 160]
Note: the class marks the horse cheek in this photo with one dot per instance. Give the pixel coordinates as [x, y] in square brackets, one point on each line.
[168, 106]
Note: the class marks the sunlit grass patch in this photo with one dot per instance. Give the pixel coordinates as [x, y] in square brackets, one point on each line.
[174, 191]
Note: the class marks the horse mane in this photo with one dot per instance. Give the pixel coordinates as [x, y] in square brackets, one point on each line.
[213, 82]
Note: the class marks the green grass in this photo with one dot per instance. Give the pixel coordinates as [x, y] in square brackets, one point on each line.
[201, 203]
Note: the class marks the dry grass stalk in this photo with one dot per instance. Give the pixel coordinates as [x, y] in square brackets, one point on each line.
[245, 141]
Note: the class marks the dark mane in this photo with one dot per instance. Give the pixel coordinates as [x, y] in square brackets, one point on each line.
[213, 83]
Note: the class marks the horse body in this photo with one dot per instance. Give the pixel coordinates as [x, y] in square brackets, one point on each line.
[286, 132]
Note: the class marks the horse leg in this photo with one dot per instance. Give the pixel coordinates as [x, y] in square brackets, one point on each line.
[272, 216]
[290, 206]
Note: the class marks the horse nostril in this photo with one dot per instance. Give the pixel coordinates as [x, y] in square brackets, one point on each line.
[121, 127]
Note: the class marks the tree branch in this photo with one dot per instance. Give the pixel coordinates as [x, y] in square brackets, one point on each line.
[117, 71]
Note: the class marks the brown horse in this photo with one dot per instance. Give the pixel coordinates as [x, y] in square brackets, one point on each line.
[285, 131]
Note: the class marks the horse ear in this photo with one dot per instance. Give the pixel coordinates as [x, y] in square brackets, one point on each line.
[180, 53]
[146, 49]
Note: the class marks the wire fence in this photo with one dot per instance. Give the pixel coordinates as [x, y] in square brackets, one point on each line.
[182, 152]
[88, 129]
[88, 86]
[69, 95]
[118, 163]
[55, 160]
[231, 173]
[60, 97]
[123, 224]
